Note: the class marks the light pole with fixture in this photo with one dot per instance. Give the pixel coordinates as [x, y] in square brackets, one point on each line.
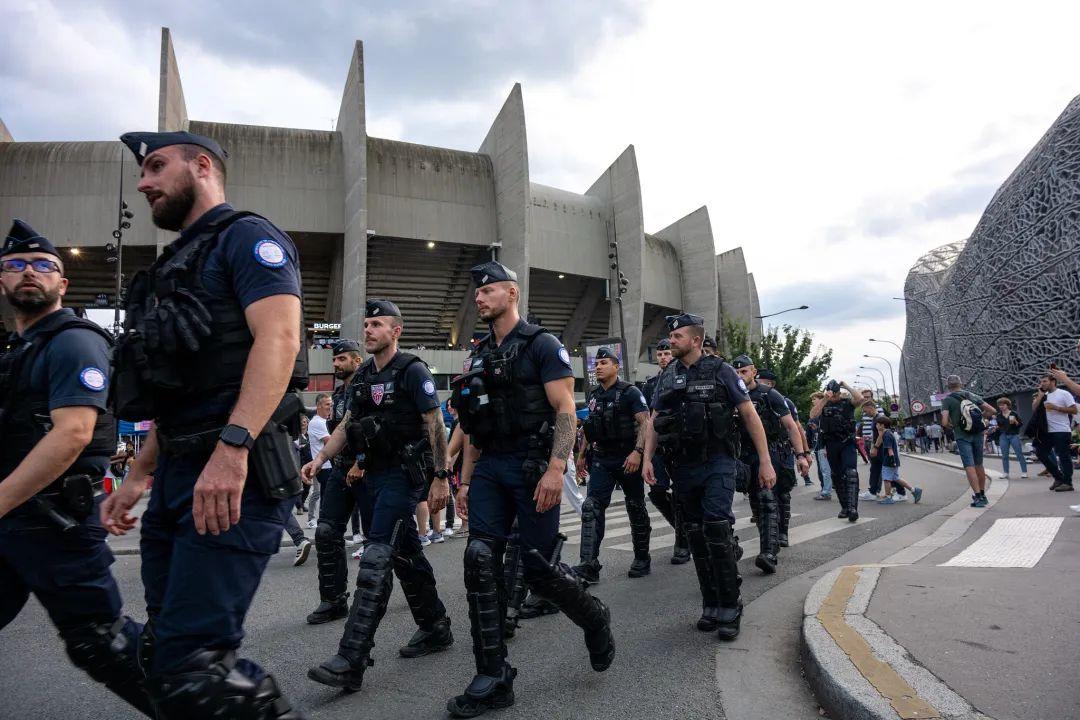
[884, 384]
[781, 312]
[903, 367]
[874, 384]
[892, 374]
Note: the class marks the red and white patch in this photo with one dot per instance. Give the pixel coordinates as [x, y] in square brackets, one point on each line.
[377, 393]
[592, 404]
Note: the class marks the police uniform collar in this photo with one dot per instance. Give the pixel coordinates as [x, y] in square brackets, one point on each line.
[509, 336]
[43, 324]
[205, 219]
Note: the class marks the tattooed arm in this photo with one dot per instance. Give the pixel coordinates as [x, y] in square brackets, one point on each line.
[560, 394]
[633, 461]
[436, 432]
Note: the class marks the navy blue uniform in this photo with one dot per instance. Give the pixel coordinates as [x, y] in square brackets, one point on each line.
[779, 453]
[837, 424]
[199, 587]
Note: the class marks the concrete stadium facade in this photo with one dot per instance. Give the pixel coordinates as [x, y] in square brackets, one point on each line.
[378, 217]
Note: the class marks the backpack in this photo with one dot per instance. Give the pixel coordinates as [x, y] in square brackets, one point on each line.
[971, 417]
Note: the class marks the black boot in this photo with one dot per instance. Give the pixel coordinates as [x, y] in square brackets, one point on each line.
[767, 531]
[587, 612]
[640, 530]
[840, 486]
[852, 478]
[535, 606]
[333, 572]
[663, 501]
[433, 626]
[726, 574]
[429, 640]
[374, 582]
[589, 567]
[330, 610]
[783, 500]
[710, 603]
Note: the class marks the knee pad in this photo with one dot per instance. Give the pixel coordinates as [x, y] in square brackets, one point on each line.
[479, 563]
[106, 651]
[213, 683]
[329, 535]
[590, 509]
[375, 561]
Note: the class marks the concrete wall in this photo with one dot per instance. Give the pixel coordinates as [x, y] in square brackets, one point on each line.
[693, 241]
[507, 146]
[569, 232]
[172, 108]
[352, 127]
[735, 302]
[429, 193]
[293, 177]
[755, 309]
[5, 134]
[661, 273]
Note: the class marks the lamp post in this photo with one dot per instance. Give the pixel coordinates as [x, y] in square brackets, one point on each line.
[877, 370]
[114, 253]
[933, 329]
[621, 286]
[892, 374]
[903, 366]
[874, 384]
[781, 312]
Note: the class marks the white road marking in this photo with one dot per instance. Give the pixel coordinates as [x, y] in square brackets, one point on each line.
[1010, 543]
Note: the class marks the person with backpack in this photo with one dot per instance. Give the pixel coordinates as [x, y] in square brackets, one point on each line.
[965, 413]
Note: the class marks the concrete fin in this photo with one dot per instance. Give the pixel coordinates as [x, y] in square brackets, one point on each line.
[692, 236]
[5, 134]
[172, 110]
[352, 126]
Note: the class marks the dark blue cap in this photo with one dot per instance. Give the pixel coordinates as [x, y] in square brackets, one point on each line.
[144, 143]
[766, 375]
[22, 238]
[606, 352]
[742, 361]
[709, 341]
[345, 345]
[674, 322]
[664, 344]
[377, 307]
[833, 386]
[492, 272]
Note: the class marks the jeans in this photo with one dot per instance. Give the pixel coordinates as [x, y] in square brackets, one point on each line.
[293, 529]
[824, 470]
[1062, 470]
[1014, 442]
[971, 451]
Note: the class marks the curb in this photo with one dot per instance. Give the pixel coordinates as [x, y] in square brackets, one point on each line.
[992, 474]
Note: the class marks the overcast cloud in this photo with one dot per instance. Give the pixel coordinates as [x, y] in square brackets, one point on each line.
[835, 142]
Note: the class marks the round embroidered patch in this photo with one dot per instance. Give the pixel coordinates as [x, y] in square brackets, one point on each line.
[269, 253]
[742, 385]
[92, 378]
[564, 356]
[429, 387]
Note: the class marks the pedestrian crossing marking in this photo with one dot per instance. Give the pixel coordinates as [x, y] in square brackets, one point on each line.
[1010, 543]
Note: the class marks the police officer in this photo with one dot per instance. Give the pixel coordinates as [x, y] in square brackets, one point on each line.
[837, 427]
[708, 346]
[791, 464]
[782, 434]
[660, 492]
[57, 439]
[694, 421]
[616, 426]
[212, 353]
[395, 427]
[515, 403]
[340, 497]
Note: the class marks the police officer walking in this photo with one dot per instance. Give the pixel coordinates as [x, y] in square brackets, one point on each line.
[340, 496]
[515, 403]
[660, 492]
[694, 421]
[395, 427]
[782, 435]
[616, 426]
[57, 440]
[212, 353]
[837, 423]
[783, 499]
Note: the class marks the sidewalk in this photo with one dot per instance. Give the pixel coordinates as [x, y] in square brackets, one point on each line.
[979, 619]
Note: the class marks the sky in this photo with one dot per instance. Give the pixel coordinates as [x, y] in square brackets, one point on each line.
[835, 142]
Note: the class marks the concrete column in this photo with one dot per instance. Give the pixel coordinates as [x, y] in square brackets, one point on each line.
[575, 328]
[692, 237]
[755, 309]
[620, 189]
[172, 110]
[352, 125]
[5, 134]
[506, 144]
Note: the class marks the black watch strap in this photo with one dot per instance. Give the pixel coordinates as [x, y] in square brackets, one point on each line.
[237, 436]
[442, 474]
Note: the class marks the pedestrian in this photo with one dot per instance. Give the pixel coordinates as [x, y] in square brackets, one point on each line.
[1009, 437]
[218, 319]
[1060, 406]
[318, 432]
[873, 489]
[303, 451]
[57, 440]
[962, 412]
[821, 455]
[922, 438]
[836, 414]
[934, 435]
[889, 451]
[909, 437]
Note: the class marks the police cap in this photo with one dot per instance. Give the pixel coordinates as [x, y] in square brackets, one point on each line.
[664, 344]
[674, 322]
[377, 307]
[22, 238]
[606, 352]
[833, 386]
[144, 143]
[346, 345]
[742, 361]
[766, 375]
[492, 272]
[709, 342]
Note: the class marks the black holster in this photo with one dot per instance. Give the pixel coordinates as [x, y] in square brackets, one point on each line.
[418, 462]
[272, 461]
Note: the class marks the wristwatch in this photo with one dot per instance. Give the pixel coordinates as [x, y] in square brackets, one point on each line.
[237, 436]
[640, 451]
[441, 474]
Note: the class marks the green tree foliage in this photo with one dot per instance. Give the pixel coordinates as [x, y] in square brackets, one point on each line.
[789, 352]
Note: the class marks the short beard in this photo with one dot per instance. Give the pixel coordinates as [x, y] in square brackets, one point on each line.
[342, 374]
[172, 210]
[377, 349]
[492, 314]
[38, 301]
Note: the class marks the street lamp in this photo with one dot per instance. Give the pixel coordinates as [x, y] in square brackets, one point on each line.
[877, 370]
[892, 374]
[114, 254]
[903, 366]
[933, 328]
[874, 384]
[781, 312]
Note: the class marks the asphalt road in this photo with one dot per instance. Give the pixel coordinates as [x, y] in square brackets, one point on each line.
[664, 668]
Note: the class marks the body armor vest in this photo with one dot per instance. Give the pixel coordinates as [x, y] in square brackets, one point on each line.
[384, 418]
[650, 388]
[498, 406]
[699, 418]
[339, 404]
[145, 382]
[24, 413]
[607, 426]
[770, 421]
[837, 420]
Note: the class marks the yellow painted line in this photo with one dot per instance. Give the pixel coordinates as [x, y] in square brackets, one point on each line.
[887, 681]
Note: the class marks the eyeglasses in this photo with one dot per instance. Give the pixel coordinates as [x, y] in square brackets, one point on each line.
[18, 265]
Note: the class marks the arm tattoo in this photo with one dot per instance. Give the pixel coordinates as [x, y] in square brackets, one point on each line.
[641, 419]
[436, 437]
[564, 436]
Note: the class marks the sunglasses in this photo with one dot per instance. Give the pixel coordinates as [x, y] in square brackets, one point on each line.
[40, 266]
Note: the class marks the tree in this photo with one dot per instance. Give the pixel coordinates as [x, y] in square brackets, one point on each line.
[788, 351]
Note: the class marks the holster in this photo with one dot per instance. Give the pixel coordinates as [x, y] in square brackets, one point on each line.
[539, 451]
[272, 462]
[418, 462]
[68, 506]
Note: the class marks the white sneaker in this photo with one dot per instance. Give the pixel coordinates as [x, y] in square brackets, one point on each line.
[436, 537]
[425, 540]
[1075, 508]
[448, 532]
[358, 538]
[312, 524]
[359, 551]
[1023, 475]
[1006, 476]
[867, 495]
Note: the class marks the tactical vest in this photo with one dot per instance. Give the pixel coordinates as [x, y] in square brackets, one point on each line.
[24, 413]
[650, 388]
[384, 417]
[607, 426]
[770, 421]
[699, 419]
[145, 382]
[498, 406]
[837, 420]
[339, 404]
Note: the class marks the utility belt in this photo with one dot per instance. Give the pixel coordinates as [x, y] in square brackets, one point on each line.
[613, 450]
[70, 504]
[376, 451]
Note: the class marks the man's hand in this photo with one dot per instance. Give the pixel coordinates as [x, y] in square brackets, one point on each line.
[461, 502]
[802, 465]
[216, 502]
[549, 490]
[1060, 376]
[632, 463]
[438, 495]
[766, 474]
[115, 509]
[310, 470]
[647, 473]
[355, 475]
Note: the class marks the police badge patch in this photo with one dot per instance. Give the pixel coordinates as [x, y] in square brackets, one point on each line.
[92, 378]
[564, 356]
[429, 387]
[377, 392]
[269, 253]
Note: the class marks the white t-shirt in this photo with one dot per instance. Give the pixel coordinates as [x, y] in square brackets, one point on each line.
[1058, 421]
[317, 435]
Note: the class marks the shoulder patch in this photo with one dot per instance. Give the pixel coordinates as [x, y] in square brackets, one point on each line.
[92, 378]
[270, 253]
[429, 387]
[564, 356]
[742, 386]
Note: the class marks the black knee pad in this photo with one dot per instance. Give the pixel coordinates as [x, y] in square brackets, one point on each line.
[329, 536]
[479, 563]
[376, 560]
[107, 652]
[209, 684]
